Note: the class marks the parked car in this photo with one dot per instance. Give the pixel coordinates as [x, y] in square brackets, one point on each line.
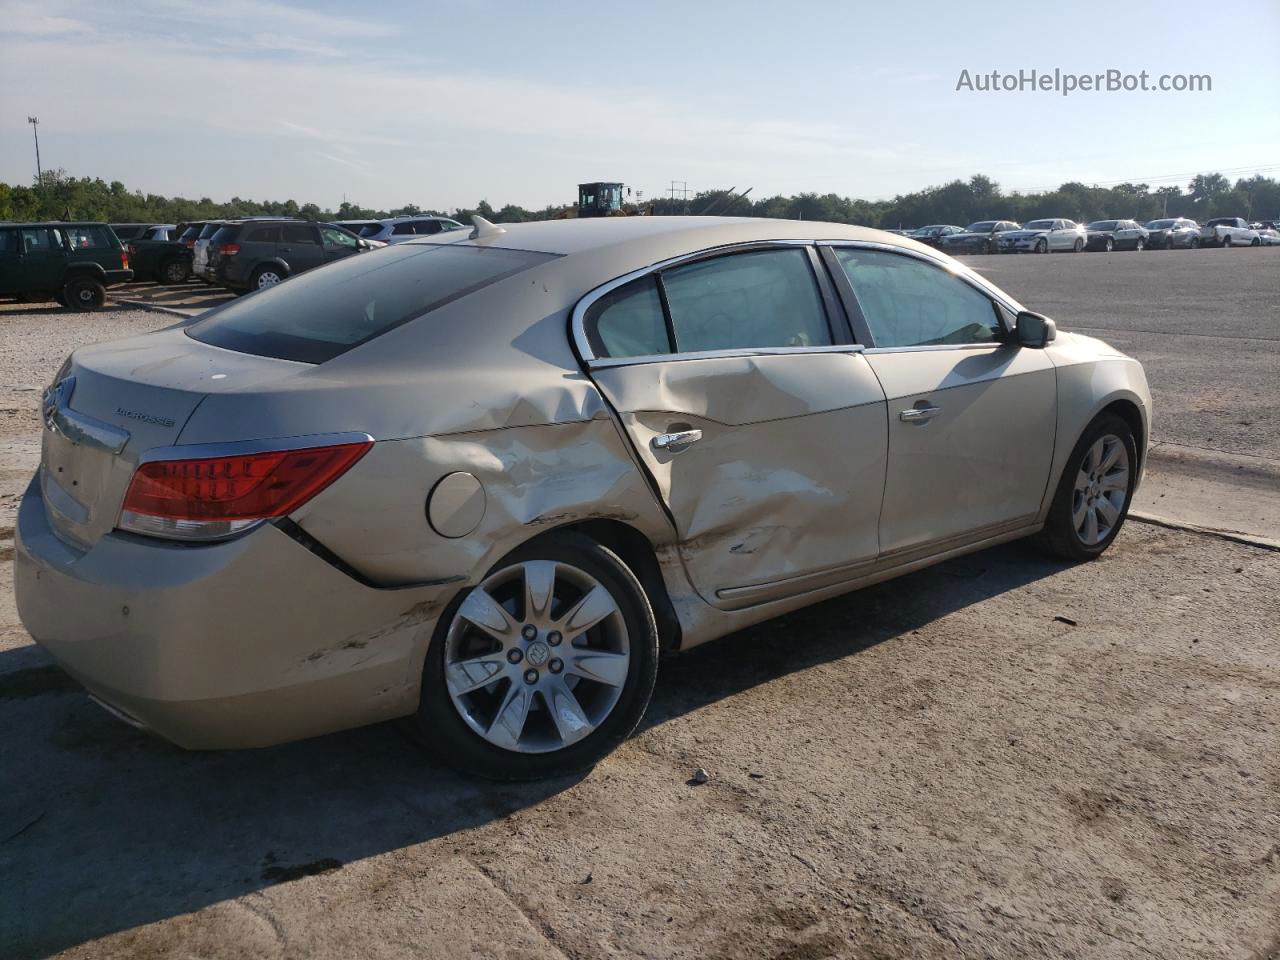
[200, 267]
[358, 227]
[159, 259]
[187, 233]
[484, 482]
[1111, 235]
[1044, 236]
[129, 231]
[1228, 232]
[1269, 236]
[255, 254]
[72, 263]
[1172, 232]
[399, 229]
[980, 237]
[932, 235]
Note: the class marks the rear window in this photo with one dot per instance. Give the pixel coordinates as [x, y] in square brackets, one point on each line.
[370, 229]
[90, 238]
[225, 235]
[209, 230]
[318, 315]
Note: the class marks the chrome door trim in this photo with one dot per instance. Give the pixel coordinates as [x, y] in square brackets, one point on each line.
[588, 300]
[604, 363]
[209, 451]
[79, 427]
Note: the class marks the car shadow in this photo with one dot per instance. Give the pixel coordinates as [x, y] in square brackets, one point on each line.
[104, 828]
[44, 309]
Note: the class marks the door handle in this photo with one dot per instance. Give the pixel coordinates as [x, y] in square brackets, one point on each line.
[676, 442]
[918, 414]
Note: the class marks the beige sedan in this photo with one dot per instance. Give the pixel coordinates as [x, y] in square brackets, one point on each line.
[481, 480]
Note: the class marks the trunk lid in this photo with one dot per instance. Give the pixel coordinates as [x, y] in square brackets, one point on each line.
[115, 401]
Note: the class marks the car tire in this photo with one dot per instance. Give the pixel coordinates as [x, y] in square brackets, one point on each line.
[174, 272]
[1226, 241]
[1257, 242]
[1090, 478]
[267, 276]
[460, 710]
[988, 247]
[85, 293]
[1139, 245]
[1108, 245]
[1042, 245]
[1079, 245]
[1195, 244]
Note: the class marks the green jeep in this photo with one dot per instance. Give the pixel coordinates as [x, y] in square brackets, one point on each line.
[72, 263]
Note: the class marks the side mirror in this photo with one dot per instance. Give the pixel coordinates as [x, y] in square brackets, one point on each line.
[1034, 330]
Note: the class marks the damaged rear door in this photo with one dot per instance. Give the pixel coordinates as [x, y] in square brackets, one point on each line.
[761, 425]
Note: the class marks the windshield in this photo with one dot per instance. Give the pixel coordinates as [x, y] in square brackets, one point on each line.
[1039, 225]
[1103, 225]
[318, 315]
[982, 226]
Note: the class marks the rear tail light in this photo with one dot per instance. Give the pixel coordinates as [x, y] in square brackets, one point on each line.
[216, 497]
[229, 249]
[188, 244]
[124, 260]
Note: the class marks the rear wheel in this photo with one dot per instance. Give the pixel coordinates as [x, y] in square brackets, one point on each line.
[1092, 499]
[544, 667]
[85, 293]
[1226, 241]
[265, 277]
[175, 272]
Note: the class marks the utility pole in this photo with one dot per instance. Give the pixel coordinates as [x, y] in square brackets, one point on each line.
[35, 132]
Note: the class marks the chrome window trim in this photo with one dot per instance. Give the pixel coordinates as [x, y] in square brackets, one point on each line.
[579, 316]
[208, 451]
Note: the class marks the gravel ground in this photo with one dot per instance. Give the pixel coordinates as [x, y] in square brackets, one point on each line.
[1001, 757]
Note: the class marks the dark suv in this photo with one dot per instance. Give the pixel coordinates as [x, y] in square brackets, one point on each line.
[254, 254]
[72, 263]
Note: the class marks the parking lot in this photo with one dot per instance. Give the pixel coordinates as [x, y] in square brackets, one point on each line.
[1003, 756]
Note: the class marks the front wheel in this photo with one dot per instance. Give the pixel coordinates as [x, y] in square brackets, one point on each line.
[1257, 242]
[85, 294]
[1042, 246]
[544, 667]
[1079, 245]
[1109, 245]
[1092, 499]
[1226, 241]
[1195, 243]
[1140, 245]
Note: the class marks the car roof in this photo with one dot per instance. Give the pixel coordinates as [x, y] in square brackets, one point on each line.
[665, 237]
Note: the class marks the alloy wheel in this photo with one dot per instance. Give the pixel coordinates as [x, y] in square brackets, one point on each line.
[536, 656]
[268, 278]
[1109, 245]
[1102, 485]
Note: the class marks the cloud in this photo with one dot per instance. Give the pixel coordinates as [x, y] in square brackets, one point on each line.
[34, 20]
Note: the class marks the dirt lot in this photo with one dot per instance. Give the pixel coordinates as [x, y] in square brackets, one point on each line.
[1002, 756]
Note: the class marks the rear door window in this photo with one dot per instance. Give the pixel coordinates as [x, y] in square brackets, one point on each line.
[299, 233]
[263, 234]
[402, 229]
[8, 241]
[42, 240]
[427, 227]
[628, 322]
[318, 315]
[762, 298]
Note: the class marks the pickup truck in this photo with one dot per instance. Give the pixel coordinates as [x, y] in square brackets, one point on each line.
[164, 261]
[1228, 232]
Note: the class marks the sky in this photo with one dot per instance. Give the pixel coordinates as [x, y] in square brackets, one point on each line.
[443, 104]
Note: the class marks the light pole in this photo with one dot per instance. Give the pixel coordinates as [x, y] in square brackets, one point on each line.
[35, 132]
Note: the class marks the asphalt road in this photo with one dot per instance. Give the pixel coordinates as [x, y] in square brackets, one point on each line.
[1000, 757]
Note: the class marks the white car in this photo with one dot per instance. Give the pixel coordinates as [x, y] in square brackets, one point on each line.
[1229, 232]
[1269, 237]
[399, 229]
[1044, 236]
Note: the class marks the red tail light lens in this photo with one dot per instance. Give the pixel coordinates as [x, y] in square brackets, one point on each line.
[229, 249]
[188, 243]
[216, 497]
[124, 260]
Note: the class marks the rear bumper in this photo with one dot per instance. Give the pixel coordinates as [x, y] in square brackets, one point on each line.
[244, 643]
[118, 276]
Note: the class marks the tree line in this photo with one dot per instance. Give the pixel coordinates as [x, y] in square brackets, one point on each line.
[58, 195]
